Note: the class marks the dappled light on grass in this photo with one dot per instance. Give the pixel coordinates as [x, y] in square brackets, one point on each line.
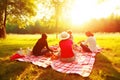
[10, 70]
[104, 68]
[31, 73]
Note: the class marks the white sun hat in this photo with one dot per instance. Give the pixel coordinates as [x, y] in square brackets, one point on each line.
[64, 35]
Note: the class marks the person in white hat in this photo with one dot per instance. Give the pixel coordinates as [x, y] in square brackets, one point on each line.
[66, 50]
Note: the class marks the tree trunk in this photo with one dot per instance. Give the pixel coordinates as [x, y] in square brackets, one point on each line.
[3, 21]
[2, 32]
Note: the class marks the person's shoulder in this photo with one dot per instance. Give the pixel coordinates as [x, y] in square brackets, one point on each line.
[40, 39]
[91, 37]
[70, 40]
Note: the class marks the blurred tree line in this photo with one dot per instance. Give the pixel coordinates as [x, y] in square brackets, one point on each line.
[38, 27]
[111, 24]
[101, 25]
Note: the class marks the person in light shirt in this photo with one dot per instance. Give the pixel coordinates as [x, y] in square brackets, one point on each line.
[90, 44]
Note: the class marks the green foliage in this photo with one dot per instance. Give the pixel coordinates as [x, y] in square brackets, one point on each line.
[19, 11]
[40, 26]
[106, 67]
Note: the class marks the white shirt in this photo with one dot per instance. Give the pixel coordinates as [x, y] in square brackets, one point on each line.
[91, 41]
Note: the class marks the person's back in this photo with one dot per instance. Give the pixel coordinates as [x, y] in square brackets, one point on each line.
[41, 43]
[92, 43]
[66, 51]
[38, 49]
[66, 48]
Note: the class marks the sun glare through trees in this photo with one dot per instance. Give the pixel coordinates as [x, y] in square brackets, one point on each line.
[82, 11]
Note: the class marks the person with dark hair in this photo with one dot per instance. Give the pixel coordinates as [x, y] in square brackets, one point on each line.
[41, 46]
[70, 33]
[90, 44]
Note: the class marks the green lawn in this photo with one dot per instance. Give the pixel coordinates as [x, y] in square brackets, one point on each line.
[106, 67]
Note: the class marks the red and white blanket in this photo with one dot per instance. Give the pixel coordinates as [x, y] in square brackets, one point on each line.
[82, 65]
[40, 60]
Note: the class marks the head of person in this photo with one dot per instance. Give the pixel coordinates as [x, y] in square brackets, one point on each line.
[69, 32]
[64, 36]
[88, 33]
[44, 36]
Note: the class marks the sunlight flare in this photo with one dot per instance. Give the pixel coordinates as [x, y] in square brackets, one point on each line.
[85, 10]
[43, 12]
[81, 11]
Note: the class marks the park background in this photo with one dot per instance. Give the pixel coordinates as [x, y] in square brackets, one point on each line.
[54, 16]
[22, 22]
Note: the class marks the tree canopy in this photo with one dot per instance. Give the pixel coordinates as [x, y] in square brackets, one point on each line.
[15, 11]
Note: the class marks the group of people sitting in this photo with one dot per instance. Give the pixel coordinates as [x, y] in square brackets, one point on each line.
[66, 53]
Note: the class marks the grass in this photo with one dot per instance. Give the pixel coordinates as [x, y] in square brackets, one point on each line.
[106, 67]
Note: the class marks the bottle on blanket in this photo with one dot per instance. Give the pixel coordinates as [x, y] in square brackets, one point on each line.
[20, 52]
[24, 52]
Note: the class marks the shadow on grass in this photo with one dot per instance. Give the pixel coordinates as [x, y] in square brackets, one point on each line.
[50, 74]
[104, 69]
[9, 70]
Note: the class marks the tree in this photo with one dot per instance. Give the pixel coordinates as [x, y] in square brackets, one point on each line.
[15, 11]
[2, 18]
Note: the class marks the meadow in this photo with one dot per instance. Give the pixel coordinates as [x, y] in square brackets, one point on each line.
[106, 66]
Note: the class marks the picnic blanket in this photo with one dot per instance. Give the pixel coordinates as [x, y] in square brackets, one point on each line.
[39, 61]
[82, 65]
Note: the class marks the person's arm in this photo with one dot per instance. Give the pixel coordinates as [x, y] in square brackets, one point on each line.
[80, 42]
[48, 47]
[86, 41]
